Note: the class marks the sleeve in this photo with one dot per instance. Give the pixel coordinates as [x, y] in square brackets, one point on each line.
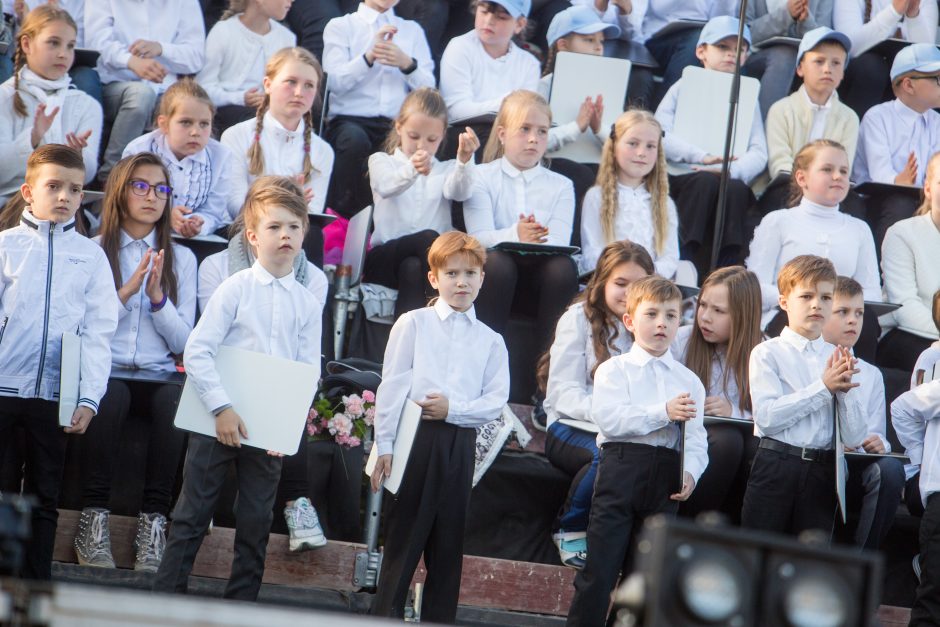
[320, 181]
[874, 139]
[388, 176]
[238, 176]
[774, 22]
[875, 408]
[695, 449]
[210, 278]
[346, 67]
[612, 412]
[210, 76]
[100, 35]
[765, 249]
[480, 215]
[186, 52]
[16, 147]
[309, 344]
[749, 165]
[98, 327]
[397, 369]
[848, 16]
[923, 28]
[174, 322]
[423, 76]
[853, 422]
[677, 149]
[900, 275]
[204, 342]
[592, 233]
[92, 119]
[779, 146]
[458, 185]
[457, 87]
[909, 415]
[866, 270]
[849, 136]
[493, 396]
[775, 411]
[668, 262]
[562, 135]
[215, 211]
[562, 217]
[567, 392]
[318, 285]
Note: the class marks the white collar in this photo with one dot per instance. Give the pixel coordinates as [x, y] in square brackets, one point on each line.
[905, 112]
[815, 107]
[445, 311]
[150, 239]
[371, 16]
[639, 356]
[279, 131]
[201, 157]
[527, 175]
[266, 278]
[801, 343]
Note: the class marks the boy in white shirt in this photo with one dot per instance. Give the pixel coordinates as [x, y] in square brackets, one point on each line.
[262, 309]
[457, 369]
[373, 59]
[795, 379]
[877, 482]
[640, 399]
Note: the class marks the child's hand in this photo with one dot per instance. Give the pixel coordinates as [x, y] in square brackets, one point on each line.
[187, 227]
[228, 426]
[797, 9]
[382, 35]
[80, 419]
[585, 113]
[873, 444]
[913, 9]
[154, 288]
[132, 284]
[421, 161]
[275, 454]
[717, 406]
[840, 367]
[908, 175]
[597, 117]
[625, 6]
[688, 484]
[467, 144]
[77, 141]
[434, 407]
[41, 123]
[146, 49]
[253, 98]
[383, 469]
[681, 408]
[147, 69]
[308, 191]
[531, 231]
[388, 53]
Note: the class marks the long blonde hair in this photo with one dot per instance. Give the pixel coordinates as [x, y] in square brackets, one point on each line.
[656, 181]
[932, 166]
[36, 20]
[512, 114]
[234, 8]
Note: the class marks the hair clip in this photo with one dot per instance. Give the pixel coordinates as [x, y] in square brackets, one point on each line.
[257, 137]
[613, 134]
[307, 147]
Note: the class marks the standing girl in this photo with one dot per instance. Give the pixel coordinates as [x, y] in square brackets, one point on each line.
[199, 166]
[36, 105]
[156, 284]
[412, 193]
[589, 333]
[717, 347]
[631, 199]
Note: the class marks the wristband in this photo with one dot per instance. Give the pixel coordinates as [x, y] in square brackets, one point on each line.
[155, 307]
[366, 59]
[411, 68]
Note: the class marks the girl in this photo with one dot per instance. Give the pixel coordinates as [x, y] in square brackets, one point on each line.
[36, 103]
[815, 226]
[717, 347]
[412, 192]
[281, 139]
[631, 199]
[156, 284]
[200, 167]
[236, 52]
[515, 199]
[588, 333]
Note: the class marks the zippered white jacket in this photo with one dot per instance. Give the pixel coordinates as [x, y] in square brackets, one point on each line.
[53, 280]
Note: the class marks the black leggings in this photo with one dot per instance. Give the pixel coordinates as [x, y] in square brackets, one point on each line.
[721, 487]
[900, 349]
[402, 264]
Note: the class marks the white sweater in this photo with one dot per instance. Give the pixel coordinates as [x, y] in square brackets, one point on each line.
[910, 261]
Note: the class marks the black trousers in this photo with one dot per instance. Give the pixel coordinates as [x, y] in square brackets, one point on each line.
[778, 193]
[448, 148]
[102, 443]
[230, 115]
[873, 489]
[915, 507]
[207, 464]
[634, 481]
[866, 82]
[886, 209]
[44, 463]
[721, 487]
[786, 494]
[926, 609]
[402, 264]
[428, 515]
[294, 481]
[900, 349]
[866, 347]
[308, 19]
[582, 176]
[353, 139]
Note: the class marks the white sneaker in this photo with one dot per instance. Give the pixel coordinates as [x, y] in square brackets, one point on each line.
[572, 547]
[304, 526]
[150, 542]
[93, 540]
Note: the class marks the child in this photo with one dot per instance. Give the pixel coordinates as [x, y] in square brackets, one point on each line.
[897, 138]
[373, 58]
[589, 333]
[631, 199]
[35, 311]
[236, 53]
[200, 167]
[38, 106]
[911, 269]
[247, 312]
[156, 284]
[812, 112]
[515, 199]
[696, 194]
[795, 379]
[412, 193]
[144, 49]
[877, 482]
[456, 394]
[820, 182]
[716, 347]
[639, 400]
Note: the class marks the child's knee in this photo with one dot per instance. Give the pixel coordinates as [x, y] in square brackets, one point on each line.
[139, 95]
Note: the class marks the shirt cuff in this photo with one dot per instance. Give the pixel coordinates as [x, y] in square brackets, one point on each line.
[386, 448]
[220, 409]
[90, 404]
[658, 416]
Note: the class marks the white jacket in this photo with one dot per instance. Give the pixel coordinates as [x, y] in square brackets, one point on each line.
[53, 280]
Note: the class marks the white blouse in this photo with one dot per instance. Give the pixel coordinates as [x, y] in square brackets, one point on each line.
[716, 383]
[910, 260]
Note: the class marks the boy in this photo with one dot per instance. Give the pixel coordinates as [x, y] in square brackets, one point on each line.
[373, 59]
[878, 481]
[696, 194]
[794, 378]
[263, 309]
[52, 281]
[897, 138]
[639, 400]
[457, 369]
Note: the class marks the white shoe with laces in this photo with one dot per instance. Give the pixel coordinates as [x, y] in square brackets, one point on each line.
[303, 524]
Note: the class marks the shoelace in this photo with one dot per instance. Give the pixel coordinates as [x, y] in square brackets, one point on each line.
[100, 543]
[153, 549]
[305, 517]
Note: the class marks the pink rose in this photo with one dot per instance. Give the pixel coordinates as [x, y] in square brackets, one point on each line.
[311, 430]
[353, 405]
[368, 396]
[340, 424]
[369, 416]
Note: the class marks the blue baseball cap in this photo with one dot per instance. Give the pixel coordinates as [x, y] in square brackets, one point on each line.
[580, 19]
[818, 35]
[916, 58]
[515, 8]
[719, 28]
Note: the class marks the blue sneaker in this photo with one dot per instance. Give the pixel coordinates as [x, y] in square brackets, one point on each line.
[572, 547]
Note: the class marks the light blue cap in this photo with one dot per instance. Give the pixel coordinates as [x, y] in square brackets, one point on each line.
[515, 8]
[818, 35]
[722, 27]
[916, 58]
[580, 19]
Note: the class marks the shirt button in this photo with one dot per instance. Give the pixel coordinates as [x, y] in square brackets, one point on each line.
[134, 329]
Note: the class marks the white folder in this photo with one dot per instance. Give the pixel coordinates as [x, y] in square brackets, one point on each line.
[70, 376]
[404, 440]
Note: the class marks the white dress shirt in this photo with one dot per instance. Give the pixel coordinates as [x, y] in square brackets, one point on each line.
[473, 83]
[283, 152]
[629, 28]
[629, 404]
[812, 229]
[634, 222]
[820, 113]
[790, 401]
[848, 16]
[914, 415]
[563, 133]
[926, 361]
[716, 382]
[436, 349]
[254, 311]
[910, 261]
[201, 181]
[749, 163]
[236, 56]
[871, 389]
[887, 136]
[570, 371]
[656, 14]
[407, 202]
[501, 193]
[377, 91]
[111, 26]
[148, 339]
